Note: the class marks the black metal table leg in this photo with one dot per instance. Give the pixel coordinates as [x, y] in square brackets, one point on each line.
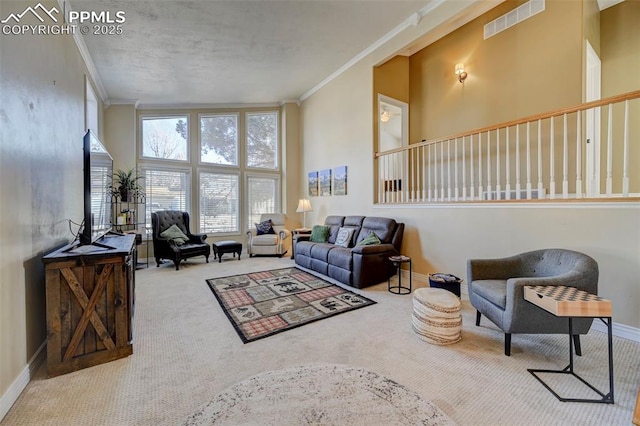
[606, 398]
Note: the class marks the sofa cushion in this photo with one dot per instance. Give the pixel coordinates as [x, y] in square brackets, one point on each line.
[356, 223]
[334, 223]
[345, 235]
[495, 291]
[341, 257]
[369, 240]
[265, 240]
[319, 234]
[382, 226]
[321, 251]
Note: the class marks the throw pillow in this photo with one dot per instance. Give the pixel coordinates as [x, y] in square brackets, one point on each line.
[344, 236]
[319, 234]
[174, 233]
[265, 227]
[371, 239]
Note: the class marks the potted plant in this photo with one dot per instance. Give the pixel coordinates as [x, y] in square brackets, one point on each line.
[125, 183]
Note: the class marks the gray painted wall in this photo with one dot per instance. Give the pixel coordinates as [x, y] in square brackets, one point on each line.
[42, 83]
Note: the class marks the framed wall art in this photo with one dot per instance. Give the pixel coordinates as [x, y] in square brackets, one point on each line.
[324, 178]
[340, 180]
[312, 182]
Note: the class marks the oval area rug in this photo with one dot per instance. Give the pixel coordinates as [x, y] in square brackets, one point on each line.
[318, 394]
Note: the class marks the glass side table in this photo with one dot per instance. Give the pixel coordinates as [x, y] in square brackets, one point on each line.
[397, 262]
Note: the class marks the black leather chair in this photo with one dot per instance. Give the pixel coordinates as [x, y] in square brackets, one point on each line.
[168, 249]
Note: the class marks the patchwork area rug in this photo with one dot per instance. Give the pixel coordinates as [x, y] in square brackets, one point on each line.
[264, 303]
[319, 395]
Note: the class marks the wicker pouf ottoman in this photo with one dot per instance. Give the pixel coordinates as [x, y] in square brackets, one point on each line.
[437, 317]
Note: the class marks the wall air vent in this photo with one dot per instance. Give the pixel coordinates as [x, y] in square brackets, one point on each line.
[524, 11]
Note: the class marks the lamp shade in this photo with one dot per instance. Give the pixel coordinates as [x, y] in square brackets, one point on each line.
[304, 205]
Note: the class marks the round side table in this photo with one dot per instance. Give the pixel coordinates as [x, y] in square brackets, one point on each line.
[397, 262]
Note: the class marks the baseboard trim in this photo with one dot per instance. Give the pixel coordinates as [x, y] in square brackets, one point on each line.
[619, 330]
[15, 389]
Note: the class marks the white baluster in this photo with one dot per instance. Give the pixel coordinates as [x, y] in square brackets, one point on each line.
[498, 185]
[412, 160]
[442, 171]
[455, 170]
[552, 159]
[464, 170]
[610, 152]
[449, 170]
[518, 186]
[488, 166]
[480, 188]
[473, 183]
[625, 150]
[579, 154]
[540, 184]
[430, 193]
[528, 161]
[507, 187]
[565, 159]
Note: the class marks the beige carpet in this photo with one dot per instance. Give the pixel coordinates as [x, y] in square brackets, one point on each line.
[186, 352]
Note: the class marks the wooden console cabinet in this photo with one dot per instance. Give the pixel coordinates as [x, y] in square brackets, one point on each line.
[90, 294]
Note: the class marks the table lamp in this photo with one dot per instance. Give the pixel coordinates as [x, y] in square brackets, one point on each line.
[304, 206]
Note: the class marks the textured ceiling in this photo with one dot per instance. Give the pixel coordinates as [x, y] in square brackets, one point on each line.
[241, 51]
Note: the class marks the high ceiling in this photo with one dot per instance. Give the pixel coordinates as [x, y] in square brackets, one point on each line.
[239, 51]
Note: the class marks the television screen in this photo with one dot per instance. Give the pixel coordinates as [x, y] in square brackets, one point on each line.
[98, 183]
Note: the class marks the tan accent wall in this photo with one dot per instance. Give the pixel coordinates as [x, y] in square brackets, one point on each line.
[530, 68]
[620, 56]
[42, 86]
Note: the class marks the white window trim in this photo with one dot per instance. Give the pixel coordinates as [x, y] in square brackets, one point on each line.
[219, 114]
[246, 138]
[143, 117]
[241, 201]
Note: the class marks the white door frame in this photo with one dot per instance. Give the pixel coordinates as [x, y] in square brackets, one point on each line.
[592, 121]
[404, 140]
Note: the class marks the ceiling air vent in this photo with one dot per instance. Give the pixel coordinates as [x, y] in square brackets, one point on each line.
[524, 11]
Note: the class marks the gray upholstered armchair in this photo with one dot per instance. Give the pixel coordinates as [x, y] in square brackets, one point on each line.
[496, 290]
[269, 244]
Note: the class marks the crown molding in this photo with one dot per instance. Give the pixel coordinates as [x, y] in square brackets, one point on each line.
[133, 102]
[206, 106]
[86, 56]
[603, 4]
[289, 101]
[413, 20]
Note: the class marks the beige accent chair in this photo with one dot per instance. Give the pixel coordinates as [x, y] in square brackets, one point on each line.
[269, 244]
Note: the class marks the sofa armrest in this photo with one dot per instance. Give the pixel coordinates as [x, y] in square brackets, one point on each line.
[374, 249]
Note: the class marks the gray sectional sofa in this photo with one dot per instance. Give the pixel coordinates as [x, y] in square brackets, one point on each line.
[356, 266]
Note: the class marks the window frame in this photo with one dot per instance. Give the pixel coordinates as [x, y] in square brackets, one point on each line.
[278, 201]
[238, 139]
[277, 168]
[164, 168]
[143, 117]
[212, 171]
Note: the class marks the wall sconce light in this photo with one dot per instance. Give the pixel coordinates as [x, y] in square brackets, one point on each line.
[460, 72]
[385, 116]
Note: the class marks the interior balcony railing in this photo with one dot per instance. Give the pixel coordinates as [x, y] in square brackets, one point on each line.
[587, 152]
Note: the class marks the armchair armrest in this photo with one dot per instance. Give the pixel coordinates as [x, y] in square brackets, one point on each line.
[197, 238]
[284, 234]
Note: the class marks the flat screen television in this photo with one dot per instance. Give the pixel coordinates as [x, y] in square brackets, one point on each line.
[98, 184]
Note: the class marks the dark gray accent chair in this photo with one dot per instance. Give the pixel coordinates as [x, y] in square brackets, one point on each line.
[167, 249]
[496, 290]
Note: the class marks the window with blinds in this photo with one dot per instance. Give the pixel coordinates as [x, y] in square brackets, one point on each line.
[262, 197]
[219, 212]
[166, 190]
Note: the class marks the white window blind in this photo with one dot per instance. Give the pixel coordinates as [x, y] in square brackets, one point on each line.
[219, 212]
[166, 190]
[262, 197]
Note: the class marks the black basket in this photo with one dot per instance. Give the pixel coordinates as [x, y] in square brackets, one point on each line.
[446, 281]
